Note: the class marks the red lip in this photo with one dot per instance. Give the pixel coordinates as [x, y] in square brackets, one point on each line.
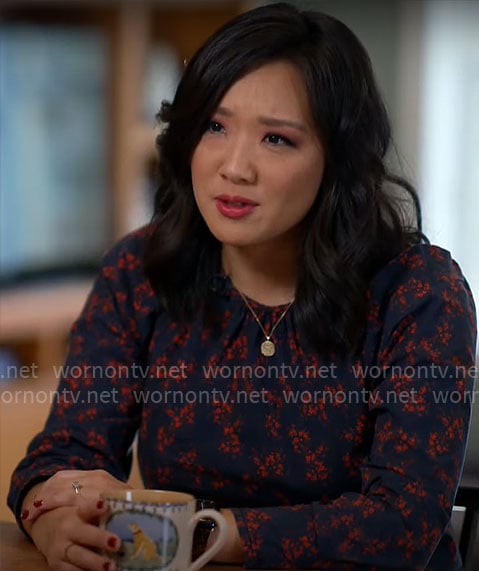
[234, 207]
[236, 199]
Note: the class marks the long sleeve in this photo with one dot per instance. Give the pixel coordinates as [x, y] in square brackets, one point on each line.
[94, 415]
[419, 348]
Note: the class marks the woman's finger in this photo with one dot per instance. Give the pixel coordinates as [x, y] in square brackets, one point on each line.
[76, 557]
[71, 544]
[50, 501]
[87, 540]
[92, 536]
[92, 512]
[63, 563]
[69, 488]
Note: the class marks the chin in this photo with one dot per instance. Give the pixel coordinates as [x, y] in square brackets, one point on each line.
[239, 236]
[235, 241]
[233, 238]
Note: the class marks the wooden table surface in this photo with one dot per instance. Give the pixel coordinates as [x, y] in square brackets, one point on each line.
[18, 554]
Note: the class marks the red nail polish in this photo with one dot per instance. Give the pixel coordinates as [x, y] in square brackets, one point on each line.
[112, 542]
[100, 504]
[38, 503]
[25, 514]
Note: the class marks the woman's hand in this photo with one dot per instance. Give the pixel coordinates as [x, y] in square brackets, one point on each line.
[231, 552]
[67, 488]
[69, 537]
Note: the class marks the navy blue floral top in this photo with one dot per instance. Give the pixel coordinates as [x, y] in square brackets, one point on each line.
[327, 463]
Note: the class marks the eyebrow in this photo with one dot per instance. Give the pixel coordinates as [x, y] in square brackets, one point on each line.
[269, 121]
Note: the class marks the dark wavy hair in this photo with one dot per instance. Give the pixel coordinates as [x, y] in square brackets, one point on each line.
[362, 216]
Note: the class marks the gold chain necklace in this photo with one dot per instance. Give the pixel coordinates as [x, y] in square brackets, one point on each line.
[268, 348]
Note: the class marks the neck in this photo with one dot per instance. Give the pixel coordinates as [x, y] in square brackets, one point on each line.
[266, 275]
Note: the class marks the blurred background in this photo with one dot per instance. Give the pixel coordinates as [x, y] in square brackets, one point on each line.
[80, 83]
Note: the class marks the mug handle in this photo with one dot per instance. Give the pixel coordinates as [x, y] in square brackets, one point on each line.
[219, 540]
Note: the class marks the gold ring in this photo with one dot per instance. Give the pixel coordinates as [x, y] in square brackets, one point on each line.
[77, 486]
[65, 552]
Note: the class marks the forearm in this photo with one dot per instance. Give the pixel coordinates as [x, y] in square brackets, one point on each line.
[232, 551]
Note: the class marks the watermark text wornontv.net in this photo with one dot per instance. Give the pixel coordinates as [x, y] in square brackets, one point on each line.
[214, 396]
[245, 372]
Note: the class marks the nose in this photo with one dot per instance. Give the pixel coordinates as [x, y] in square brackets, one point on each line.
[238, 163]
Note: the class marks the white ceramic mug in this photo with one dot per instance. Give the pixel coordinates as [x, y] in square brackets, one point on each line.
[156, 528]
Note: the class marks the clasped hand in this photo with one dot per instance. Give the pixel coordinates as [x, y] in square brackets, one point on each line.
[62, 516]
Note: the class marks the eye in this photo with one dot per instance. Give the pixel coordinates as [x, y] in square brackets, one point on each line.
[214, 127]
[275, 139]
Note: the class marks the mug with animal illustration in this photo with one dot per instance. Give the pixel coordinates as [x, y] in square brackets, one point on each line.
[157, 527]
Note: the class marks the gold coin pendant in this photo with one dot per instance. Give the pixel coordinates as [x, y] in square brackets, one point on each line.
[267, 348]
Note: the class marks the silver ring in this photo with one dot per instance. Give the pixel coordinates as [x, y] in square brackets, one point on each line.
[77, 486]
[65, 552]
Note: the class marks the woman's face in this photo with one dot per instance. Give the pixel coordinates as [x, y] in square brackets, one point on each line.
[258, 166]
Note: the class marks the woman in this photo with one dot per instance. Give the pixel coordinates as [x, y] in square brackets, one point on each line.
[281, 336]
